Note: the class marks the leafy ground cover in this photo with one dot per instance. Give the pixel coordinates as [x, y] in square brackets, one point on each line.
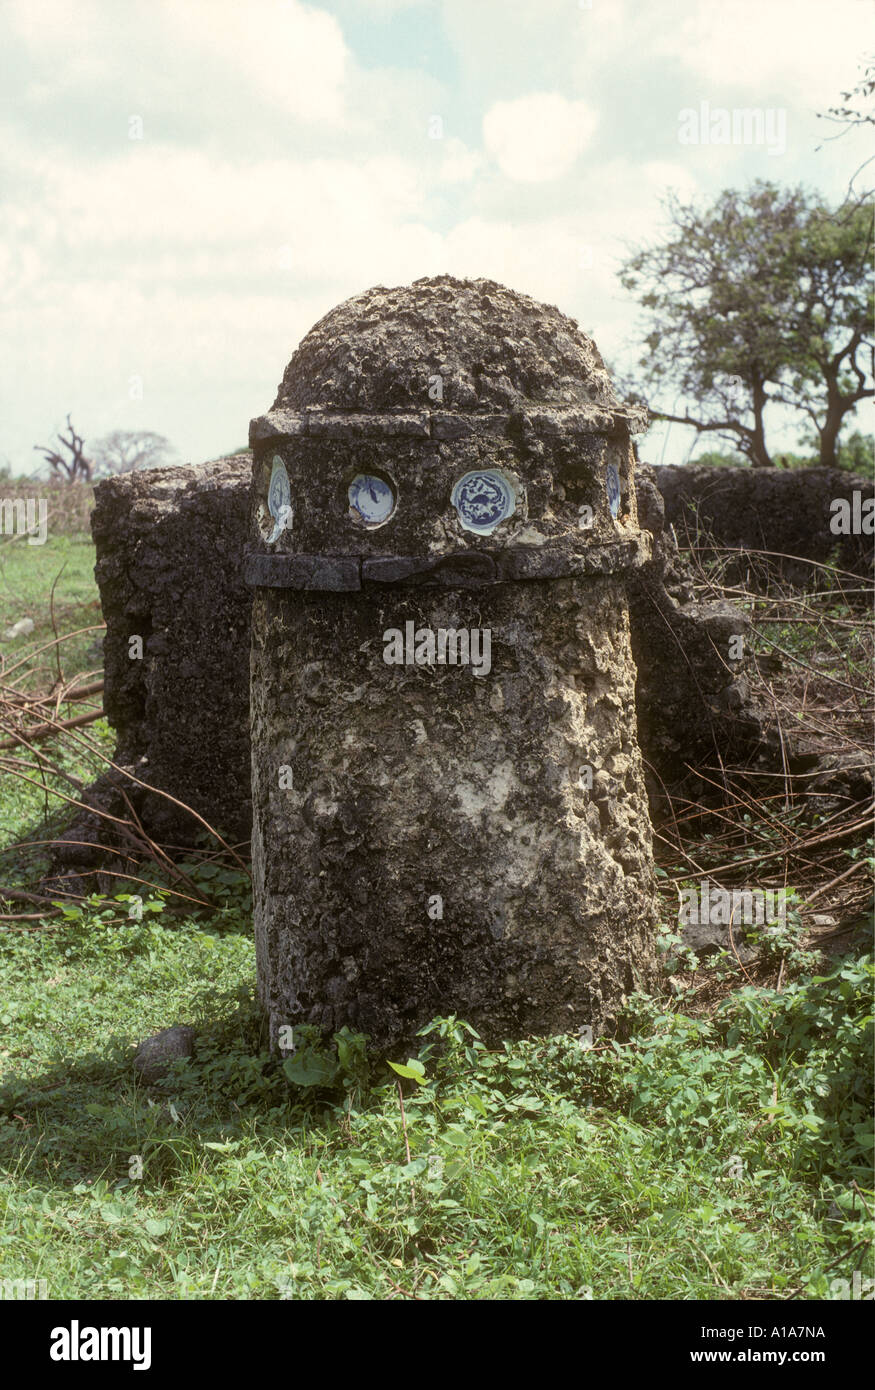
[726, 1156]
[721, 1150]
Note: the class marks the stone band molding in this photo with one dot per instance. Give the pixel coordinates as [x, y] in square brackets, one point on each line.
[462, 569]
[443, 424]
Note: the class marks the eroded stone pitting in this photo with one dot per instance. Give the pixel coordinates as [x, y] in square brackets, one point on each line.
[483, 813]
[415, 784]
[493, 349]
[170, 547]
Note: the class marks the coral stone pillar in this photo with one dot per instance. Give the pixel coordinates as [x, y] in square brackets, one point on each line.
[449, 809]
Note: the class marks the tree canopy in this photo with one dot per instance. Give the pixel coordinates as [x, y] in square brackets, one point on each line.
[763, 298]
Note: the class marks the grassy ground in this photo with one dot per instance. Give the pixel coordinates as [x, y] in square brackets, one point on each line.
[709, 1158]
[27, 574]
[52, 585]
[721, 1155]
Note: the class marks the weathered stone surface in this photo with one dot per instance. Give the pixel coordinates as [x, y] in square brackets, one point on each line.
[448, 426]
[336, 573]
[276, 423]
[554, 561]
[693, 704]
[589, 420]
[356, 425]
[199, 750]
[390, 569]
[416, 781]
[835, 780]
[781, 510]
[707, 938]
[467, 569]
[522, 391]
[332, 572]
[424, 838]
[155, 1055]
[170, 547]
[515, 352]
[554, 479]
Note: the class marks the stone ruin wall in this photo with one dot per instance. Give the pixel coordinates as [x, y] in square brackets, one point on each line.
[784, 511]
[169, 568]
[170, 548]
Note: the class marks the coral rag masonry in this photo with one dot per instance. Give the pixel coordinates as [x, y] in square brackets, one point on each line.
[170, 546]
[386, 780]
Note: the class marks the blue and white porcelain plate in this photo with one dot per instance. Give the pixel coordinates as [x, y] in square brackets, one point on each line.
[612, 483]
[279, 491]
[372, 498]
[279, 498]
[483, 499]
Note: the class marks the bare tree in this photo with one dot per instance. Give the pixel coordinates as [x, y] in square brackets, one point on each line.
[73, 469]
[128, 451]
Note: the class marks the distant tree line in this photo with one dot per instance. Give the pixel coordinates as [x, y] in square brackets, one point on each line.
[120, 451]
[856, 454]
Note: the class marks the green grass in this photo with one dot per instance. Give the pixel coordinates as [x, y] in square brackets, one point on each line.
[711, 1157]
[30, 812]
[27, 574]
[706, 1159]
[28, 809]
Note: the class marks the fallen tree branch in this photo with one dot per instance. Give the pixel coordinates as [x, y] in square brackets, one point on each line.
[44, 730]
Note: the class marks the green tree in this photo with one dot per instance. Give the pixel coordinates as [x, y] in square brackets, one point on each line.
[830, 367]
[857, 454]
[720, 458]
[765, 297]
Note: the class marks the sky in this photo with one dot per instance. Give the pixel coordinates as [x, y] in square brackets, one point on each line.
[187, 186]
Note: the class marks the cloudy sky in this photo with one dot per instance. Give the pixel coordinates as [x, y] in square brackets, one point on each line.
[186, 186]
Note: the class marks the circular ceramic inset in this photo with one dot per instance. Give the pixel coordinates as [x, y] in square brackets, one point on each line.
[483, 499]
[371, 498]
[279, 499]
[279, 491]
[612, 482]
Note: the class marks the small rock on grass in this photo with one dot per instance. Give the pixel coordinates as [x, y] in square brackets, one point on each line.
[22, 628]
[154, 1055]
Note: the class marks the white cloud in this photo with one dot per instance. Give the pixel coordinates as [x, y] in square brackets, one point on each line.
[662, 175]
[509, 45]
[154, 199]
[386, 8]
[538, 137]
[281, 172]
[52, 22]
[798, 51]
[459, 164]
[796, 48]
[293, 55]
